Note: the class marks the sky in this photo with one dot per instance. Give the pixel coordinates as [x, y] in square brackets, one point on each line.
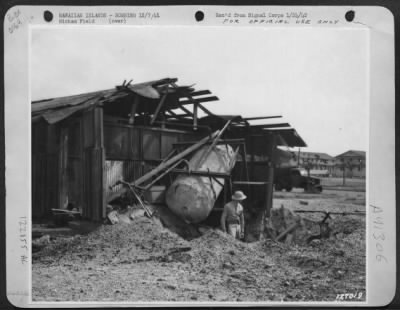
[317, 79]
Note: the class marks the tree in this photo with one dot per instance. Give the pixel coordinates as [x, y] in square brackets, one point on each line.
[345, 164]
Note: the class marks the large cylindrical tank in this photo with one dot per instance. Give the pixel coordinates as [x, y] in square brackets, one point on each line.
[192, 197]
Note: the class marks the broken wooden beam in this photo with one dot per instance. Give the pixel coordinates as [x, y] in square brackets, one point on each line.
[195, 109]
[205, 110]
[186, 110]
[199, 100]
[260, 117]
[65, 211]
[159, 106]
[200, 93]
[286, 231]
[210, 148]
[225, 141]
[202, 173]
[174, 159]
[279, 125]
[164, 165]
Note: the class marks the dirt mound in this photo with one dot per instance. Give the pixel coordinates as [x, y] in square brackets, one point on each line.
[145, 261]
[216, 248]
[136, 241]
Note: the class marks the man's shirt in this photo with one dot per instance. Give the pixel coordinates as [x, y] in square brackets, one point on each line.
[232, 213]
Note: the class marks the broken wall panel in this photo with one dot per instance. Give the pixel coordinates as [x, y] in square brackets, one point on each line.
[117, 142]
[167, 141]
[151, 145]
[115, 170]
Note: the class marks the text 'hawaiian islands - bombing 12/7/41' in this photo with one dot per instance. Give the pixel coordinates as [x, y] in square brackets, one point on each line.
[91, 17]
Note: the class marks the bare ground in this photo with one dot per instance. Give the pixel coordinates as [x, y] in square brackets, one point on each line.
[143, 261]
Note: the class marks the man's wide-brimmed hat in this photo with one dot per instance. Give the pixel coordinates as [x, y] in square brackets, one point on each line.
[238, 195]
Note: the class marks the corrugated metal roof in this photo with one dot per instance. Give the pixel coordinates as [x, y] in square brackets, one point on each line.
[60, 102]
[57, 109]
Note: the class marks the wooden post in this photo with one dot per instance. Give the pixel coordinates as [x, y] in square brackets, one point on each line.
[51, 168]
[270, 177]
[133, 110]
[195, 108]
[63, 169]
[158, 109]
[94, 157]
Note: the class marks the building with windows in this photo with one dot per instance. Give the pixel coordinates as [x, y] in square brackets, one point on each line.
[350, 164]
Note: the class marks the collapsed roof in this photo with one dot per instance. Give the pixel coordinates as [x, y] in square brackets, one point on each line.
[161, 99]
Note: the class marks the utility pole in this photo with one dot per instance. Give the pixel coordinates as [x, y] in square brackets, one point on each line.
[344, 178]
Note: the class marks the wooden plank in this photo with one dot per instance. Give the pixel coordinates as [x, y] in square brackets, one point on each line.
[200, 93]
[266, 126]
[63, 169]
[260, 117]
[195, 108]
[157, 111]
[202, 173]
[94, 157]
[210, 148]
[94, 196]
[165, 81]
[205, 110]
[166, 164]
[286, 231]
[270, 176]
[174, 159]
[249, 183]
[199, 100]
[186, 110]
[225, 141]
[178, 116]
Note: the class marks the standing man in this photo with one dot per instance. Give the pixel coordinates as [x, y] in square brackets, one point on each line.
[233, 216]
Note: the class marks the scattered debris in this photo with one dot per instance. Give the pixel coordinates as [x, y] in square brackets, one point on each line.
[143, 260]
[113, 217]
[40, 243]
[283, 225]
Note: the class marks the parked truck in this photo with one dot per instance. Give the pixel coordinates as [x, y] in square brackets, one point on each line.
[294, 177]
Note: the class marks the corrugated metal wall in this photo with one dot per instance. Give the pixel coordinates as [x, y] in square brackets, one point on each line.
[131, 151]
[45, 163]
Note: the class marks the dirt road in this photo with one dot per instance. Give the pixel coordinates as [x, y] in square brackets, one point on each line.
[143, 261]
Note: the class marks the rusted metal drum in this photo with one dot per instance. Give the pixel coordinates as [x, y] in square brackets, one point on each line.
[193, 197]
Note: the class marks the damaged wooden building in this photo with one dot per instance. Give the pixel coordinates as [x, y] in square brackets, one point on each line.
[83, 144]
